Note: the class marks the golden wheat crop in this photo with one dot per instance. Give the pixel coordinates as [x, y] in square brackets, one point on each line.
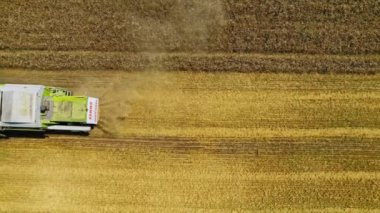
[323, 27]
[221, 62]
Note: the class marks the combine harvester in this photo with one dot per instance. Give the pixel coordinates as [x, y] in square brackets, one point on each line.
[40, 108]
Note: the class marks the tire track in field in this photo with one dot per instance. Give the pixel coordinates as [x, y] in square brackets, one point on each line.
[261, 154]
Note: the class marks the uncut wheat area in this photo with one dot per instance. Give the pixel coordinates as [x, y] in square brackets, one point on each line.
[197, 141]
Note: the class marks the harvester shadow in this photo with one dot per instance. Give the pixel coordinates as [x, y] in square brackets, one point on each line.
[23, 134]
[67, 133]
[39, 135]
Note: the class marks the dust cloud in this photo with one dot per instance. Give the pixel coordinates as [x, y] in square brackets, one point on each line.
[162, 26]
[114, 104]
[176, 25]
[120, 92]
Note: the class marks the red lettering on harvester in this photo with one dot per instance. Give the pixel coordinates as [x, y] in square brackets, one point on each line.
[90, 111]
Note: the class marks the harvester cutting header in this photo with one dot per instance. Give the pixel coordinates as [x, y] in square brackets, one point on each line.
[41, 108]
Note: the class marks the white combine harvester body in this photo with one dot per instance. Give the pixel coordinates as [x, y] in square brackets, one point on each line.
[40, 108]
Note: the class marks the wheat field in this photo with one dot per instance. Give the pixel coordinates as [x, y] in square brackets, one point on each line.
[197, 141]
[206, 106]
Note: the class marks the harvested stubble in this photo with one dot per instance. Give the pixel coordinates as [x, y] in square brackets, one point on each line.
[287, 174]
[242, 141]
[223, 104]
[190, 141]
[282, 63]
